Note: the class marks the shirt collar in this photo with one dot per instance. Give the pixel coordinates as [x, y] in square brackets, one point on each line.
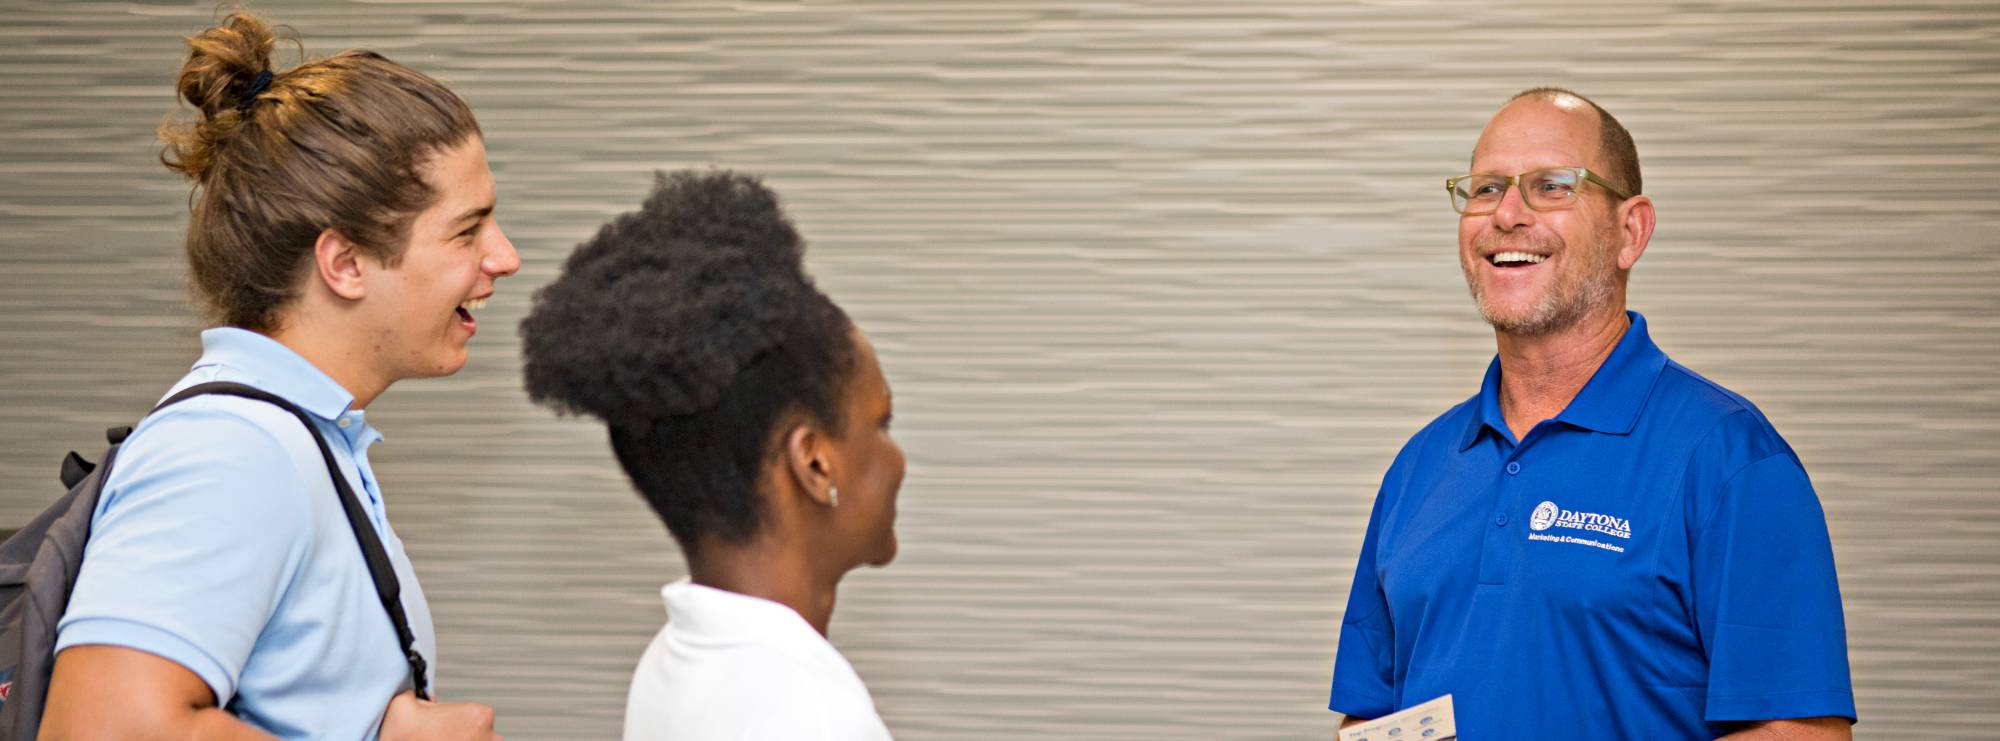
[1610, 402]
[275, 368]
[717, 616]
[1487, 415]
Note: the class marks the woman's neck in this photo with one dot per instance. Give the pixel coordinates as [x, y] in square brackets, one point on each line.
[768, 570]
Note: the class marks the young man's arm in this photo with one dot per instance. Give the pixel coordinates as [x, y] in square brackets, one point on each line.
[112, 692]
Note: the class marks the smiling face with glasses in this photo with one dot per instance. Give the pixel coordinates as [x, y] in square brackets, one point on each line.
[1545, 245]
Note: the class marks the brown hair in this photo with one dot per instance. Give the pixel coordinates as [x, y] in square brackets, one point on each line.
[336, 143]
[1614, 143]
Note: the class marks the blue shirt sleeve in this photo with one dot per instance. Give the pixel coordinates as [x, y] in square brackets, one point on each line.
[1767, 601]
[1364, 661]
[199, 529]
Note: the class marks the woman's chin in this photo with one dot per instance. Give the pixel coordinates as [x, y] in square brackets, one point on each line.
[886, 554]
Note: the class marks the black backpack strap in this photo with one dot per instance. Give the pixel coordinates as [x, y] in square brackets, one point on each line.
[386, 585]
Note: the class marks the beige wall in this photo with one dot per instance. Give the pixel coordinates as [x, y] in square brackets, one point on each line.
[1161, 288]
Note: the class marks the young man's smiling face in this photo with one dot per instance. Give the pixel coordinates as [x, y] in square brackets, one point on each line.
[423, 306]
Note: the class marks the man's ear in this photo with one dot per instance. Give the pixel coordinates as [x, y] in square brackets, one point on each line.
[337, 263]
[1635, 230]
[808, 458]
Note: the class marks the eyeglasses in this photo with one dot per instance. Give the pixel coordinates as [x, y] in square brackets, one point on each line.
[1543, 190]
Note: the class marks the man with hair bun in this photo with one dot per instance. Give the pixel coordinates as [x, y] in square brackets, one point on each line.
[751, 414]
[1600, 544]
[341, 237]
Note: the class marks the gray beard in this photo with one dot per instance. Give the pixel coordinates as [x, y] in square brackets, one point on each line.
[1564, 304]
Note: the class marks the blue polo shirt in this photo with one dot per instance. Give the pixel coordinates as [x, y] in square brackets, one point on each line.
[1652, 563]
[220, 544]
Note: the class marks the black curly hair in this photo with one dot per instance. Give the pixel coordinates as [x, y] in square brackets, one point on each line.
[691, 328]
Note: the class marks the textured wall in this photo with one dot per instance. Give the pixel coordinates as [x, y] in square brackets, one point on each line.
[1161, 287]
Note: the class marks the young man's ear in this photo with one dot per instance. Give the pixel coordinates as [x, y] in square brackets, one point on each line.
[337, 263]
[807, 458]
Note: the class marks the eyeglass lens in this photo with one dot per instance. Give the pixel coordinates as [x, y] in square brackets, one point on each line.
[1542, 189]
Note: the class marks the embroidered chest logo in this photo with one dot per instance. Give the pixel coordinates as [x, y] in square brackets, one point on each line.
[1545, 516]
[1548, 516]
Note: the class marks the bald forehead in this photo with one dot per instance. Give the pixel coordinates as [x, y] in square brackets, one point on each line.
[1539, 131]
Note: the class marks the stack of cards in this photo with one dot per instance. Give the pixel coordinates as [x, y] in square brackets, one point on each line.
[1430, 721]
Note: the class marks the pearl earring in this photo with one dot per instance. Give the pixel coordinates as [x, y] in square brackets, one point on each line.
[833, 495]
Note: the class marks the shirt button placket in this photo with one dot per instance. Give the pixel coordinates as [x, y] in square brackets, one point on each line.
[1497, 554]
[1500, 518]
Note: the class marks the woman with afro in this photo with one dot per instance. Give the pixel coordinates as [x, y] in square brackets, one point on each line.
[752, 415]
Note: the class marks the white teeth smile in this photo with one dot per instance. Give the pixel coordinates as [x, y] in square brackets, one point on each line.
[472, 304]
[1506, 257]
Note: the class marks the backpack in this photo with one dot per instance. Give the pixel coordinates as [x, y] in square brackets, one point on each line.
[39, 564]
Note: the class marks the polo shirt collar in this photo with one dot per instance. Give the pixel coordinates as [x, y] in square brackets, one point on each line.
[1609, 402]
[713, 616]
[1488, 414]
[275, 368]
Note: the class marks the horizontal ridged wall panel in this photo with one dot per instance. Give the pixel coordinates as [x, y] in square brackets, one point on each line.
[1161, 287]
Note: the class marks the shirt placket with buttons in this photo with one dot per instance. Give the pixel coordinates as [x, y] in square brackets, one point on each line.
[1501, 544]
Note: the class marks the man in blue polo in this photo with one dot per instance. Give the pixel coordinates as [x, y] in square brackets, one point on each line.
[1601, 544]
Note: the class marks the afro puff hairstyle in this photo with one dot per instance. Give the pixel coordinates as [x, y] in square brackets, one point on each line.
[692, 330]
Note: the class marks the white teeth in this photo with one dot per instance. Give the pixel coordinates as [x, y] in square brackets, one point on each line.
[1518, 257]
[472, 304]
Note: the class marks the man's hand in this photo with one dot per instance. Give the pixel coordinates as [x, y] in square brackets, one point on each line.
[411, 718]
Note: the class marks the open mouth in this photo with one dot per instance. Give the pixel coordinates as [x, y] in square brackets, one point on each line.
[1515, 259]
[465, 309]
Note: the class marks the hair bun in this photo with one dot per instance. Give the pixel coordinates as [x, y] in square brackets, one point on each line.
[654, 315]
[222, 64]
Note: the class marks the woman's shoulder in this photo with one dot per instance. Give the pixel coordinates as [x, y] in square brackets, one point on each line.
[760, 689]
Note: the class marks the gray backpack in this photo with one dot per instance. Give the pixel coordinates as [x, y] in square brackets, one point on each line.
[39, 564]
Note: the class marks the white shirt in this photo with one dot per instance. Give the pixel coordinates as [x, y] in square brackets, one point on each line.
[732, 667]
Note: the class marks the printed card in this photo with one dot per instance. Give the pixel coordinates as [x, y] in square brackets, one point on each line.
[1431, 721]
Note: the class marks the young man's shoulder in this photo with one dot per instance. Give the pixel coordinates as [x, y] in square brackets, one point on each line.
[229, 457]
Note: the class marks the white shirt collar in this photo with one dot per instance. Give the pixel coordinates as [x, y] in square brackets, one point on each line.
[714, 617]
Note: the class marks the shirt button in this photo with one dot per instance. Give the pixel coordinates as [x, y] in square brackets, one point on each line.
[1501, 521]
[345, 421]
[1513, 468]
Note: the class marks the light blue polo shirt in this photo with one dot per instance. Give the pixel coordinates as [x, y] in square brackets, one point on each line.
[220, 544]
[1650, 564]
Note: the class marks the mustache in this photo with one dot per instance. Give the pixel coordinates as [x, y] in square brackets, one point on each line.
[1491, 242]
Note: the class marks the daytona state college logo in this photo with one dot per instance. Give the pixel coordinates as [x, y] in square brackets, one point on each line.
[1544, 517]
[1548, 515]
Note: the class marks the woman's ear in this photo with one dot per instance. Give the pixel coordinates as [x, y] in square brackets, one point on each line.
[808, 458]
[337, 263]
